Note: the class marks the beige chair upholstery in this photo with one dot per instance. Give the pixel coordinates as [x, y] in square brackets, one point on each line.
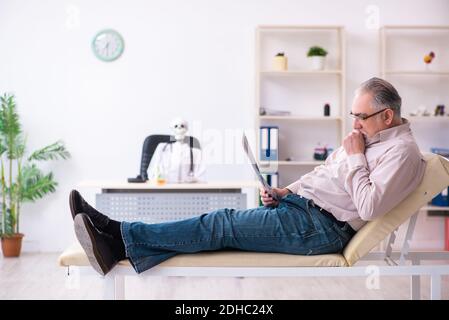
[436, 178]
[75, 256]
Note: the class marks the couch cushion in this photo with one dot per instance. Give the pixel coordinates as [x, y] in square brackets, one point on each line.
[436, 178]
[75, 256]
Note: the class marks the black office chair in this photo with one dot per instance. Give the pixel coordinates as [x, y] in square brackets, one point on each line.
[149, 146]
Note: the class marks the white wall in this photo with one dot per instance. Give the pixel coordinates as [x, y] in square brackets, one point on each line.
[190, 58]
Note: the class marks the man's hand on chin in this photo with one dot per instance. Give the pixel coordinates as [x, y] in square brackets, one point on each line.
[354, 143]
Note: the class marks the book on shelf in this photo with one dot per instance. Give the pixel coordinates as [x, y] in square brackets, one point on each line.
[272, 179]
[269, 143]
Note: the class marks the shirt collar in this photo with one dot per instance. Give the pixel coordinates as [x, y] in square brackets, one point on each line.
[389, 133]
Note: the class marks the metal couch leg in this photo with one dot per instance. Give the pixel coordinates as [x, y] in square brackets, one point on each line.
[109, 287]
[114, 287]
[415, 284]
[119, 287]
[435, 287]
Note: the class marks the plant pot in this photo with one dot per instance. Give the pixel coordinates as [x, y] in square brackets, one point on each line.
[317, 62]
[12, 245]
[280, 63]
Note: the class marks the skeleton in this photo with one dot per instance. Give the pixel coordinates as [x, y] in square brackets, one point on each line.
[176, 162]
[180, 128]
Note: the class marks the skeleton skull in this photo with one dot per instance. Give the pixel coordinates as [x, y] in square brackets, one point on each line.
[180, 128]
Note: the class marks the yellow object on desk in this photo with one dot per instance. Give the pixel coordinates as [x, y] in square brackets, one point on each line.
[280, 62]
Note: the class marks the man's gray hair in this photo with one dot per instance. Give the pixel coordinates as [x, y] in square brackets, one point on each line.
[384, 95]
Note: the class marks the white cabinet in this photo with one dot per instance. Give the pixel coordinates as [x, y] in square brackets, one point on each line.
[302, 92]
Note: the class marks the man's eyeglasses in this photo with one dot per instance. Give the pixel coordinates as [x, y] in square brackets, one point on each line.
[364, 116]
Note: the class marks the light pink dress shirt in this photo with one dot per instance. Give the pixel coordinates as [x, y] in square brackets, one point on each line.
[361, 187]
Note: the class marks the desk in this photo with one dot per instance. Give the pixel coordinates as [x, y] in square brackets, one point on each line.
[153, 203]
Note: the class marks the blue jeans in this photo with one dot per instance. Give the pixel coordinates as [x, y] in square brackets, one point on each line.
[294, 227]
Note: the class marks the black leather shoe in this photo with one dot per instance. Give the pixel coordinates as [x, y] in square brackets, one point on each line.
[75, 203]
[95, 243]
[78, 205]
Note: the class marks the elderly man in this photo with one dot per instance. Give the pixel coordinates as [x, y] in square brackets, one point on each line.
[378, 165]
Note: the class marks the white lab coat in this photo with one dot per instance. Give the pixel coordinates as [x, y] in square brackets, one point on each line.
[171, 162]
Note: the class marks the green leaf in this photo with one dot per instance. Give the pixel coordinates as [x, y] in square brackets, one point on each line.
[10, 222]
[10, 128]
[18, 147]
[316, 51]
[34, 184]
[53, 151]
[2, 148]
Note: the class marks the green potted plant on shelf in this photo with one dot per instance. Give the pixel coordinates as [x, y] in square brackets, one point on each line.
[317, 55]
[21, 179]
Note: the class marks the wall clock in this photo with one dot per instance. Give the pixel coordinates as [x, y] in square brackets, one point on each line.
[108, 45]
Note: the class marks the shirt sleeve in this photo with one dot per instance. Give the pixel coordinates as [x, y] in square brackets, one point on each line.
[398, 172]
[294, 187]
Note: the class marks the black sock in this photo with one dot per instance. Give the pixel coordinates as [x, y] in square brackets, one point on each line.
[117, 244]
[113, 228]
[118, 249]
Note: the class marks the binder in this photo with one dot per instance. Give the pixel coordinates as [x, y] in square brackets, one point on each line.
[272, 179]
[441, 199]
[269, 136]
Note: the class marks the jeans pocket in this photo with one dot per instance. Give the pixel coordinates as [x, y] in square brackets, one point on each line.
[345, 232]
[308, 224]
[335, 246]
[302, 215]
[311, 215]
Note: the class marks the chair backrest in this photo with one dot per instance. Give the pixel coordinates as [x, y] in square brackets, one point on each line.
[150, 144]
[436, 178]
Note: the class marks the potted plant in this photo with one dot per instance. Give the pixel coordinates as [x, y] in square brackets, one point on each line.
[317, 55]
[280, 62]
[21, 179]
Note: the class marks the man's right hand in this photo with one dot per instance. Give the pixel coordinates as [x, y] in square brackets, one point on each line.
[268, 200]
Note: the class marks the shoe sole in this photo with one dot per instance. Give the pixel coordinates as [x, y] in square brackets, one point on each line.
[86, 239]
[72, 203]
